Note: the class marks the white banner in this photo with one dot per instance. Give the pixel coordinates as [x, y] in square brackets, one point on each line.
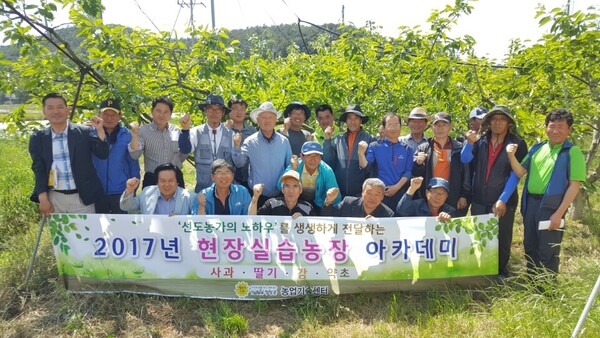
[250, 257]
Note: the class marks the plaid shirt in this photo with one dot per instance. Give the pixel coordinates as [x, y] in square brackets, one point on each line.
[61, 162]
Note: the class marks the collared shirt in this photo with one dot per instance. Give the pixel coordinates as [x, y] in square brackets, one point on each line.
[164, 206]
[268, 159]
[158, 146]
[544, 162]
[411, 142]
[309, 183]
[61, 161]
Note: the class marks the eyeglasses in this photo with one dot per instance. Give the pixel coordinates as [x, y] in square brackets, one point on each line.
[438, 193]
[223, 173]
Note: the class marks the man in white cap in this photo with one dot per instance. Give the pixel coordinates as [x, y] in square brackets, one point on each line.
[341, 152]
[267, 152]
[290, 203]
[417, 123]
[209, 141]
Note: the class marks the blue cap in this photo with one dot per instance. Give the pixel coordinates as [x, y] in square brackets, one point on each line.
[311, 147]
[438, 182]
[216, 100]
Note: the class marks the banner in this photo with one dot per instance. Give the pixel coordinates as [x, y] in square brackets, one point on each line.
[269, 257]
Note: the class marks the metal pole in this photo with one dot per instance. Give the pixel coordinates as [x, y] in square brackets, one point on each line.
[35, 249]
[587, 308]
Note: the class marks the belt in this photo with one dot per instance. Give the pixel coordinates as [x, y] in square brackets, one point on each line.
[535, 196]
[67, 192]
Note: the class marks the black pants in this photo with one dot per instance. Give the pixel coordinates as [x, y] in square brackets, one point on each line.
[505, 233]
[542, 247]
[109, 204]
[150, 179]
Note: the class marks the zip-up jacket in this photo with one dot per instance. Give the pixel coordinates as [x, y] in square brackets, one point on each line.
[119, 166]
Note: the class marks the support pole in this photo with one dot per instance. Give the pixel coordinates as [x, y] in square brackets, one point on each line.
[586, 309]
[35, 249]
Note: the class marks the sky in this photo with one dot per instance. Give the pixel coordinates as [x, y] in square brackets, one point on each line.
[492, 23]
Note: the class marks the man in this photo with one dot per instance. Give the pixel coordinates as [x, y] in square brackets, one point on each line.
[209, 141]
[222, 197]
[476, 117]
[417, 123]
[555, 169]
[316, 176]
[491, 169]
[368, 205]
[267, 152]
[341, 152]
[295, 114]
[165, 198]
[325, 119]
[434, 203]
[442, 159]
[61, 154]
[290, 204]
[158, 141]
[390, 160]
[237, 124]
[120, 166]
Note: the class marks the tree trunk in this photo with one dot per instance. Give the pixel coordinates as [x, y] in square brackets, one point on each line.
[577, 208]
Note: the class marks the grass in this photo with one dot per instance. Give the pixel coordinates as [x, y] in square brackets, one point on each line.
[516, 309]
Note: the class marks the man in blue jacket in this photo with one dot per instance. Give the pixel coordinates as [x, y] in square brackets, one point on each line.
[223, 197]
[119, 166]
[316, 176]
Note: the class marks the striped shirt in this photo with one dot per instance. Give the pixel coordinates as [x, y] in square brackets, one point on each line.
[61, 162]
[158, 146]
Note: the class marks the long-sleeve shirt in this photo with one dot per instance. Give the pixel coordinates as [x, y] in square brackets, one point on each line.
[268, 159]
[158, 146]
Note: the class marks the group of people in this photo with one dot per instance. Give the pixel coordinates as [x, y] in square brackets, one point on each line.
[243, 170]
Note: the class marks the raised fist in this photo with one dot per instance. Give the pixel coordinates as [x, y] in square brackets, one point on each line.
[511, 149]
[294, 162]
[132, 184]
[472, 136]
[201, 199]
[332, 194]
[328, 132]
[97, 122]
[416, 182]
[229, 123]
[362, 147]
[421, 157]
[237, 140]
[135, 127]
[185, 121]
[258, 189]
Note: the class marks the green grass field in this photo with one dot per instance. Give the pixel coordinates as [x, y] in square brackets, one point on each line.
[45, 309]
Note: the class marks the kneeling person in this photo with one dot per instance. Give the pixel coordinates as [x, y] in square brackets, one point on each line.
[288, 205]
[165, 198]
[222, 197]
[434, 204]
[368, 205]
